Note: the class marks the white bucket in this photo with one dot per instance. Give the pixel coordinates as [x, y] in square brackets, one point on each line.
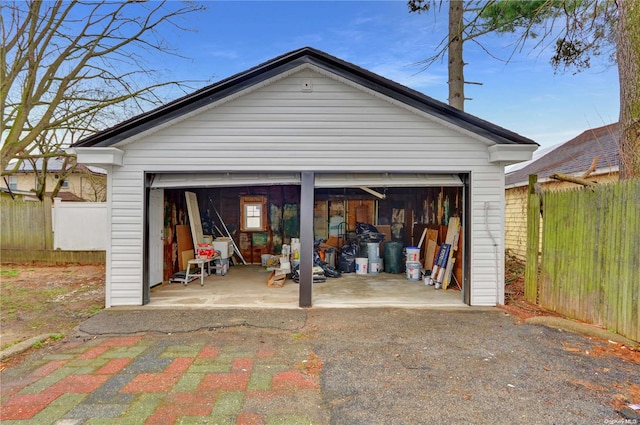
[374, 266]
[413, 270]
[361, 265]
[413, 254]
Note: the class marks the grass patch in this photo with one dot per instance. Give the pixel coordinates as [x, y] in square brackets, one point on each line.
[16, 297]
[94, 309]
[9, 272]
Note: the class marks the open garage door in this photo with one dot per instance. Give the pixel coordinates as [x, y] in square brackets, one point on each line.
[197, 180]
[338, 180]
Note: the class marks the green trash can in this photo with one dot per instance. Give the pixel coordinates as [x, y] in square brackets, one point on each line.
[393, 258]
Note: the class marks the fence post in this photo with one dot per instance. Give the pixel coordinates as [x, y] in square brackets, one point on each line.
[48, 226]
[533, 242]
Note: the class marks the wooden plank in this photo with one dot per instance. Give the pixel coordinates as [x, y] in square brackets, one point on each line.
[194, 217]
[533, 238]
[424, 234]
[430, 253]
[186, 256]
[431, 248]
[185, 243]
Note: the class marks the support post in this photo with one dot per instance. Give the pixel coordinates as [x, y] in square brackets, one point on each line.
[306, 238]
[533, 242]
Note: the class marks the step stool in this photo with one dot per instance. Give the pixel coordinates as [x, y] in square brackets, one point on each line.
[198, 262]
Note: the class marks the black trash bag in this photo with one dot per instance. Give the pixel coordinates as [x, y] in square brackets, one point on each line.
[330, 271]
[347, 260]
[364, 228]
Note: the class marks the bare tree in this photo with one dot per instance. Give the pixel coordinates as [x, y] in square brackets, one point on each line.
[68, 69]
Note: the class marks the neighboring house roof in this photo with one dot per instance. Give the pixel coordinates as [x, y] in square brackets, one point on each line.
[53, 165]
[287, 62]
[536, 155]
[574, 156]
[64, 196]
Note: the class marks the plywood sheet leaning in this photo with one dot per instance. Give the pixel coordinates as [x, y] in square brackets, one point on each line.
[430, 251]
[183, 236]
[185, 256]
[194, 218]
[453, 233]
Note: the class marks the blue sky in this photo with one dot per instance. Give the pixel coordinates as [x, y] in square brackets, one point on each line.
[524, 95]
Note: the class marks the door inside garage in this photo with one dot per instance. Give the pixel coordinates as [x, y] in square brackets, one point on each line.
[401, 208]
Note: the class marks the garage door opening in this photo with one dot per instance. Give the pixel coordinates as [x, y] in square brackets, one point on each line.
[402, 208]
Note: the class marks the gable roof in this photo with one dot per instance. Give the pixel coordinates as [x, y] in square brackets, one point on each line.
[286, 62]
[574, 156]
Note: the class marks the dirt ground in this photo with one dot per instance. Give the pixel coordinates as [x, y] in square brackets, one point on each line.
[37, 300]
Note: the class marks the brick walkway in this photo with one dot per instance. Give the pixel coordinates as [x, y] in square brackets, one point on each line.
[194, 379]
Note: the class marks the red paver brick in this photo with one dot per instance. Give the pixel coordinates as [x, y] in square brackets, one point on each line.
[293, 380]
[44, 397]
[166, 414]
[49, 367]
[20, 411]
[122, 341]
[151, 383]
[193, 409]
[250, 419]
[242, 364]
[179, 365]
[94, 353]
[79, 384]
[209, 352]
[193, 398]
[114, 366]
[163, 415]
[233, 381]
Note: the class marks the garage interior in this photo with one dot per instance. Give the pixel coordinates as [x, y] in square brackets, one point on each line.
[401, 208]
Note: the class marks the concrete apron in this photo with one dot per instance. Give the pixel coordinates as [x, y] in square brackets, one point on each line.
[246, 287]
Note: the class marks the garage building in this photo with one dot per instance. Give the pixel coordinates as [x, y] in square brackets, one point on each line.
[320, 144]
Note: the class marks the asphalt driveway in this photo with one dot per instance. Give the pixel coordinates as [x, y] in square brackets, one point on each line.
[319, 366]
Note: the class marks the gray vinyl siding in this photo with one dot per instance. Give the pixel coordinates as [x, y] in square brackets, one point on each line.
[278, 127]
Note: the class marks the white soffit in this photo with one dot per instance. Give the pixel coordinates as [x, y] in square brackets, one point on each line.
[337, 180]
[184, 180]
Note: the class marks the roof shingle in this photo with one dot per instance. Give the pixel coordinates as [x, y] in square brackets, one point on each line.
[575, 155]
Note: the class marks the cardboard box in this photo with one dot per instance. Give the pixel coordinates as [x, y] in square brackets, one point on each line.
[224, 246]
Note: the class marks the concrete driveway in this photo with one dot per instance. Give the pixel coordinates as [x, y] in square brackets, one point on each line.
[318, 366]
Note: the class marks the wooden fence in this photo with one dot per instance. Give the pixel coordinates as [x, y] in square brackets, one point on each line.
[25, 225]
[26, 236]
[590, 262]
